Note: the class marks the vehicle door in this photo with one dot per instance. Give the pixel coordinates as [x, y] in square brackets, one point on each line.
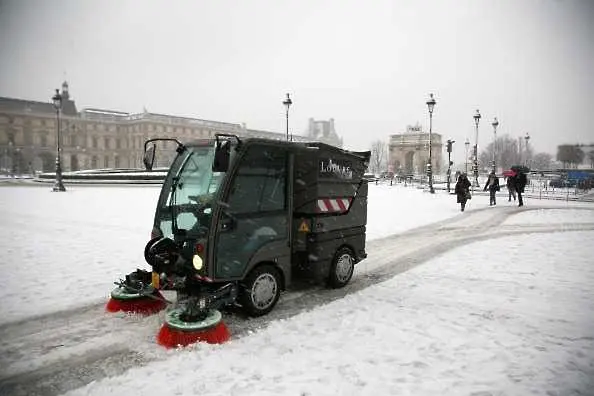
[255, 215]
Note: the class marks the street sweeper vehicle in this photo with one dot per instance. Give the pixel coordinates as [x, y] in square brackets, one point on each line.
[237, 221]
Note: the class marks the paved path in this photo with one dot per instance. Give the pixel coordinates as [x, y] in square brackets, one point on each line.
[66, 350]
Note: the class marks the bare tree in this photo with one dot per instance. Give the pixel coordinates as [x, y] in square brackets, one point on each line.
[378, 156]
[541, 161]
[507, 153]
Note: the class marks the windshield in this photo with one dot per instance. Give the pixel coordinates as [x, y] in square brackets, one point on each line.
[188, 192]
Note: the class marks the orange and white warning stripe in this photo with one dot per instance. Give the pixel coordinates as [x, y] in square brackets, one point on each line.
[334, 205]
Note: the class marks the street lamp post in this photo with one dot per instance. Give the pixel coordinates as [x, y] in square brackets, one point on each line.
[495, 125]
[430, 105]
[10, 152]
[450, 143]
[477, 119]
[58, 185]
[467, 145]
[288, 102]
[527, 137]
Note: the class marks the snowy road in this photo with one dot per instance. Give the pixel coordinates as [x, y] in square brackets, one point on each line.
[60, 352]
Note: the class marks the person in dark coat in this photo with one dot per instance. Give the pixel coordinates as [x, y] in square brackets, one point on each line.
[519, 181]
[511, 189]
[493, 186]
[462, 190]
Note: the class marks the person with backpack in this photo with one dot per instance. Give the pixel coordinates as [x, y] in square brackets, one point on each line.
[493, 186]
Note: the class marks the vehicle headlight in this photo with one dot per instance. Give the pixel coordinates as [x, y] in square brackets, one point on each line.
[197, 262]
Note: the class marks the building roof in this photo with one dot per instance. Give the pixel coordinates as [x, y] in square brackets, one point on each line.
[34, 107]
[25, 106]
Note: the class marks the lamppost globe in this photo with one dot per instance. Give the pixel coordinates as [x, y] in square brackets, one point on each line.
[430, 105]
[288, 102]
[57, 102]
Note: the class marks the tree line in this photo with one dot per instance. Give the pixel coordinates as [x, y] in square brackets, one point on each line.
[508, 151]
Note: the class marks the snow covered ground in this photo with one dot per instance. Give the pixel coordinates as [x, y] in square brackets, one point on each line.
[81, 241]
[466, 323]
[512, 315]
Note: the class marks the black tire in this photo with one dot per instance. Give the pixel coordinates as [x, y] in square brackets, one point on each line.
[341, 270]
[260, 290]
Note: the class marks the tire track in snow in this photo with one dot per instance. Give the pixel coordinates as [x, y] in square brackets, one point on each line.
[54, 353]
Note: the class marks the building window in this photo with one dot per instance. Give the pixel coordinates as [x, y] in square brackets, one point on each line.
[43, 141]
[106, 143]
[95, 142]
[106, 162]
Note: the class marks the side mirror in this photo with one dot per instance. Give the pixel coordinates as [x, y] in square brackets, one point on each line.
[149, 158]
[222, 156]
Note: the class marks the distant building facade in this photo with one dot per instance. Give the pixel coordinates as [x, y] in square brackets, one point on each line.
[96, 138]
[323, 131]
[409, 151]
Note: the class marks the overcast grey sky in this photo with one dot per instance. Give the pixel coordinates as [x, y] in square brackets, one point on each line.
[368, 64]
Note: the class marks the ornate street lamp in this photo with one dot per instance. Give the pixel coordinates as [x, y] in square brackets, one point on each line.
[430, 105]
[495, 124]
[477, 119]
[288, 102]
[527, 137]
[466, 144]
[58, 185]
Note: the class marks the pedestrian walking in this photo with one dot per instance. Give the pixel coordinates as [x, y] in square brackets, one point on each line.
[493, 186]
[519, 181]
[462, 191]
[511, 190]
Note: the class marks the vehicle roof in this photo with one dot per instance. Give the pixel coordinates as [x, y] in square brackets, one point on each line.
[364, 155]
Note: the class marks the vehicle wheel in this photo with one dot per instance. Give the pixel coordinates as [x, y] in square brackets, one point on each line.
[260, 291]
[342, 268]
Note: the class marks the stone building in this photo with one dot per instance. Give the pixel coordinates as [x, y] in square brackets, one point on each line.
[96, 138]
[324, 132]
[409, 151]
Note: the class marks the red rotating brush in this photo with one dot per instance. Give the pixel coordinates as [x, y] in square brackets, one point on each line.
[143, 305]
[176, 332]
